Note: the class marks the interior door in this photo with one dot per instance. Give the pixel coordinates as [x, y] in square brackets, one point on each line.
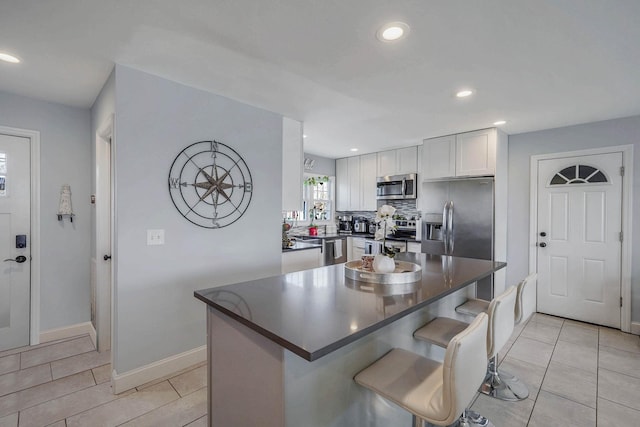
[15, 217]
[579, 237]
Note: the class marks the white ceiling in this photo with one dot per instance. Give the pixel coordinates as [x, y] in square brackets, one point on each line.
[538, 64]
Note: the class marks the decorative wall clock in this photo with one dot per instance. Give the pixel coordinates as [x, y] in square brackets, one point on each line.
[210, 184]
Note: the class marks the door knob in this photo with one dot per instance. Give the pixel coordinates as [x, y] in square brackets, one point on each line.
[543, 234]
[106, 257]
[543, 245]
[19, 259]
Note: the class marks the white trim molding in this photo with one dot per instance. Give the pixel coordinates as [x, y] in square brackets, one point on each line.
[627, 216]
[68, 332]
[155, 370]
[34, 138]
[635, 328]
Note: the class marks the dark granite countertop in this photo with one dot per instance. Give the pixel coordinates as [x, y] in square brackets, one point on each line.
[314, 312]
[301, 246]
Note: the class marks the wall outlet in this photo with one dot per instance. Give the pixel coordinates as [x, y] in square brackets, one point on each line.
[155, 237]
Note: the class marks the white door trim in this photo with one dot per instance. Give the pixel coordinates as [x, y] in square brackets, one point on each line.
[627, 210]
[104, 135]
[34, 138]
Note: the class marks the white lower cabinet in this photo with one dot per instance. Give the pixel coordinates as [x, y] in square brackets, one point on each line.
[414, 247]
[357, 248]
[301, 260]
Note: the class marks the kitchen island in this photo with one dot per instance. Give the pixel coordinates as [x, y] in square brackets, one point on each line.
[283, 350]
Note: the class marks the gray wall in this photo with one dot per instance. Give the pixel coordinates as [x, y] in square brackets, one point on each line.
[591, 135]
[64, 159]
[156, 315]
[322, 165]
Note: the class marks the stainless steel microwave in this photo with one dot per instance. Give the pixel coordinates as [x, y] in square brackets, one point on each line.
[397, 187]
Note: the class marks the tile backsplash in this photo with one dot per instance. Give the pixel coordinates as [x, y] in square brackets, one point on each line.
[406, 208]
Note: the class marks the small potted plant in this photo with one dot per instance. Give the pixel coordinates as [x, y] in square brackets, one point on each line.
[313, 229]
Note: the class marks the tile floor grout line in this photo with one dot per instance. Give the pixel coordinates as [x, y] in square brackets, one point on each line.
[597, 376]
[535, 401]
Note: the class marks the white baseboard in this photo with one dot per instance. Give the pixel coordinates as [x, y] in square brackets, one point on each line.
[155, 370]
[635, 328]
[68, 332]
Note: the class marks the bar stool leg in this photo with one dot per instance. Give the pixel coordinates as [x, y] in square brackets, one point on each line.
[503, 385]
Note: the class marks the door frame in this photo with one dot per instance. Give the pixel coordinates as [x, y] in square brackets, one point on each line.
[34, 153]
[626, 209]
[105, 135]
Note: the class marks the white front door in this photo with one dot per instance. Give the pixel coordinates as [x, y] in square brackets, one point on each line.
[579, 237]
[15, 250]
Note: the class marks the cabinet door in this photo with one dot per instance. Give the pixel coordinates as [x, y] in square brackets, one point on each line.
[353, 163]
[476, 153]
[386, 163]
[349, 249]
[368, 175]
[439, 157]
[406, 160]
[343, 195]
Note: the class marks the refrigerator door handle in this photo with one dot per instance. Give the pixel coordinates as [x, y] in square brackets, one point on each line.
[445, 228]
[450, 226]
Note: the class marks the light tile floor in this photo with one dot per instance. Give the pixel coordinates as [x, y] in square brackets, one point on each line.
[66, 383]
[578, 375]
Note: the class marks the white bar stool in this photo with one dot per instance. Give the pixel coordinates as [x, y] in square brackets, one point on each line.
[437, 393]
[503, 386]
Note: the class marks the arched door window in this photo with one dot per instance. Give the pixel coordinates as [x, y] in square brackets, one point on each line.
[579, 174]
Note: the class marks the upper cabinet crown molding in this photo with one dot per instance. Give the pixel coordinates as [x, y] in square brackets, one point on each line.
[467, 154]
[292, 164]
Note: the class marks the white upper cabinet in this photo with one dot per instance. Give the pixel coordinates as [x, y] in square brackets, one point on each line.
[356, 183]
[476, 153]
[343, 189]
[398, 162]
[292, 164]
[463, 155]
[439, 157]
[368, 175]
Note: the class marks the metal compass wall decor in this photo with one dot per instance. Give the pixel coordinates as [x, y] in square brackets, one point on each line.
[210, 184]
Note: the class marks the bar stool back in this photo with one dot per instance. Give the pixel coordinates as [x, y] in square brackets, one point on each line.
[500, 385]
[434, 392]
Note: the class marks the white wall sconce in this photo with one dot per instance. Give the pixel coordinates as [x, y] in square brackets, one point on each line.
[64, 207]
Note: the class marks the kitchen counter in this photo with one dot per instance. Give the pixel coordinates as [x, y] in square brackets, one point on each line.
[283, 351]
[371, 236]
[301, 246]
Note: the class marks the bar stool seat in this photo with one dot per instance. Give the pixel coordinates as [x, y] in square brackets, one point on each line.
[434, 392]
[501, 311]
[473, 306]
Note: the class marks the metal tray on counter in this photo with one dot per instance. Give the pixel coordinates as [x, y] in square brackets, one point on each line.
[405, 272]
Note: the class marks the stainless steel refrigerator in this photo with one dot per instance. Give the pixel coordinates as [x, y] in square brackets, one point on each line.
[464, 223]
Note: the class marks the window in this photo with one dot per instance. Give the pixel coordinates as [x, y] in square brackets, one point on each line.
[578, 174]
[317, 203]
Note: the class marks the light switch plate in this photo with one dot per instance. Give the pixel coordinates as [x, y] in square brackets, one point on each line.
[155, 237]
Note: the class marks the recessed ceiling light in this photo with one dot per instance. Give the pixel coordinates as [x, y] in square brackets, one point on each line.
[392, 32]
[8, 58]
[499, 122]
[353, 149]
[304, 135]
[464, 93]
